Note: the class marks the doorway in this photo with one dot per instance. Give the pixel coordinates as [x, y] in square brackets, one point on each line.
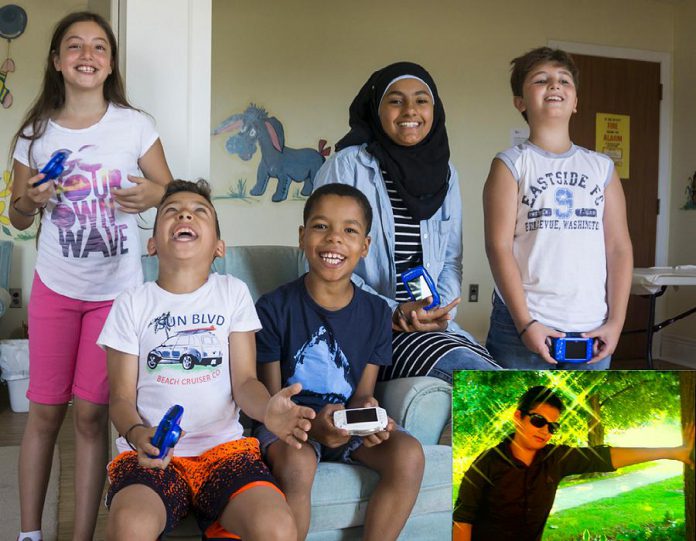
[627, 87]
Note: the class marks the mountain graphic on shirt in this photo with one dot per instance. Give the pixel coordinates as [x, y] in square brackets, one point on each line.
[323, 369]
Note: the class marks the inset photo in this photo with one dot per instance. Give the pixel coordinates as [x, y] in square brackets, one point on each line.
[573, 455]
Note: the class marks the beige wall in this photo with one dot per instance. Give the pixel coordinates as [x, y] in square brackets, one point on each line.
[305, 62]
[682, 246]
[29, 52]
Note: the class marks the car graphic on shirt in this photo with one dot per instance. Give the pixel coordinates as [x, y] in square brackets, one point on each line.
[190, 348]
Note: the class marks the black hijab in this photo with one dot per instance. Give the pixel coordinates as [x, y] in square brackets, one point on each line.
[419, 172]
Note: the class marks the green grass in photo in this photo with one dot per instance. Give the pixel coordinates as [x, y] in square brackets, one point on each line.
[654, 512]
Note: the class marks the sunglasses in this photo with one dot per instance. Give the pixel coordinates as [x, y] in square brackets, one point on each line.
[540, 421]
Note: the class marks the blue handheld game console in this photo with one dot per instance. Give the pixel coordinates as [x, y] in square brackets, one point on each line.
[53, 168]
[420, 285]
[572, 349]
[168, 431]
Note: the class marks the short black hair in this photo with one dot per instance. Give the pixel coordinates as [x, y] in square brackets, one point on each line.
[522, 65]
[539, 395]
[342, 190]
[199, 187]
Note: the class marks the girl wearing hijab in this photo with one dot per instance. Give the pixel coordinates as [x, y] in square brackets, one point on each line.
[397, 154]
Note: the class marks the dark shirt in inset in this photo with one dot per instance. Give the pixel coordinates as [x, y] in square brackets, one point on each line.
[506, 500]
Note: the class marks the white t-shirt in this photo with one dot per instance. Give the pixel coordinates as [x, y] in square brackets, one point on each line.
[182, 343]
[89, 250]
[559, 233]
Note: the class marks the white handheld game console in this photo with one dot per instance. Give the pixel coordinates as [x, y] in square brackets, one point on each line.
[361, 421]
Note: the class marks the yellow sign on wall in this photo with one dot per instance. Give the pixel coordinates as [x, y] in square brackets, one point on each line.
[613, 138]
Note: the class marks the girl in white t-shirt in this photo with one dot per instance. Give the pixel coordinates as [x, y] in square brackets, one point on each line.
[88, 249]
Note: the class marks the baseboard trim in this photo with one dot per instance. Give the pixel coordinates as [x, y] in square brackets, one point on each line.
[678, 350]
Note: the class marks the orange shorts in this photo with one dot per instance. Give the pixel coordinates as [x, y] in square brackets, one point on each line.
[202, 484]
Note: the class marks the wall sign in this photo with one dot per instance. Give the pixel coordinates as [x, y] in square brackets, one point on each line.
[613, 138]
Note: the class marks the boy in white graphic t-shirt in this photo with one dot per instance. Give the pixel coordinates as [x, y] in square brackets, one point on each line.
[188, 339]
[555, 224]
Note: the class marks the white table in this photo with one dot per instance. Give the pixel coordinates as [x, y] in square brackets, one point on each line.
[652, 282]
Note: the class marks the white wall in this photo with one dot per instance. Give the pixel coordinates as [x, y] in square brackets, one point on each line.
[167, 58]
[679, 340]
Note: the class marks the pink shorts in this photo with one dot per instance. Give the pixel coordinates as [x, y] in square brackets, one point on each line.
[64, 359]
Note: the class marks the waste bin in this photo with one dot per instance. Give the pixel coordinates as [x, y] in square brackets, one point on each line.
[14, 369]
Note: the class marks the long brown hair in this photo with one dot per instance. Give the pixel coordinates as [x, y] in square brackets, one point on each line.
[52, 95]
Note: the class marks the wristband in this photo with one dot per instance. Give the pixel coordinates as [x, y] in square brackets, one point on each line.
[399, 314]
[125, 436]
[27, 214]
[524, 330]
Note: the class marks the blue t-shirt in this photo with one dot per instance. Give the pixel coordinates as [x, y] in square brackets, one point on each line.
[324, 350]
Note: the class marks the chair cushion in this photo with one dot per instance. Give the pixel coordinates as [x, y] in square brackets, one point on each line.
[341, 492]
[431, 526]
[261, 268]
[421, 405]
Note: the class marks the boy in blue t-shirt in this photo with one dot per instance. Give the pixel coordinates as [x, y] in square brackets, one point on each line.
[332, 337]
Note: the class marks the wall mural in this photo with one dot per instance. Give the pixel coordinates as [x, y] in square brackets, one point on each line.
[6, 229]
[254, 128]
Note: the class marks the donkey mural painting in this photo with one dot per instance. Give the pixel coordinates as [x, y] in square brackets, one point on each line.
[277, 161]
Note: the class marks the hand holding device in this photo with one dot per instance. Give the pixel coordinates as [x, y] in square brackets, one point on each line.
[361, 421]
[168, 431]
[54, 168]
[420, 285]
[572, 349]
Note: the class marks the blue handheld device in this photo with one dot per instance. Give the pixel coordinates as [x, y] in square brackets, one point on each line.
[420, 285]
[53, 168]
[168, 431]
[572, 349]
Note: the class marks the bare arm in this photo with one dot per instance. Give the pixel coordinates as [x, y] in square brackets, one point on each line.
[149, 189]
[500, 214]
[364, 398]
[619, 269]
[269, 374]
[461, 531]
[279, 413]
[26, 200]
[625, 456]
[123, 381]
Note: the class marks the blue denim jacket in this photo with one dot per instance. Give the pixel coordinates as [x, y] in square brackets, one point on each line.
[441, 235]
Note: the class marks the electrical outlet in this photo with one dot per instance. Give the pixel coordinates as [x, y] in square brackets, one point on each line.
[15, 297]
[473, 292]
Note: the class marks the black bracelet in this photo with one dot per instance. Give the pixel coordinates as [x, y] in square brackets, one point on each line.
[27, 214]
[524, 330]
[125, 436]
[399, 315]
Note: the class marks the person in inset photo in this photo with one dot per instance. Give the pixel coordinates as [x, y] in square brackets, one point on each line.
[508, 491]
